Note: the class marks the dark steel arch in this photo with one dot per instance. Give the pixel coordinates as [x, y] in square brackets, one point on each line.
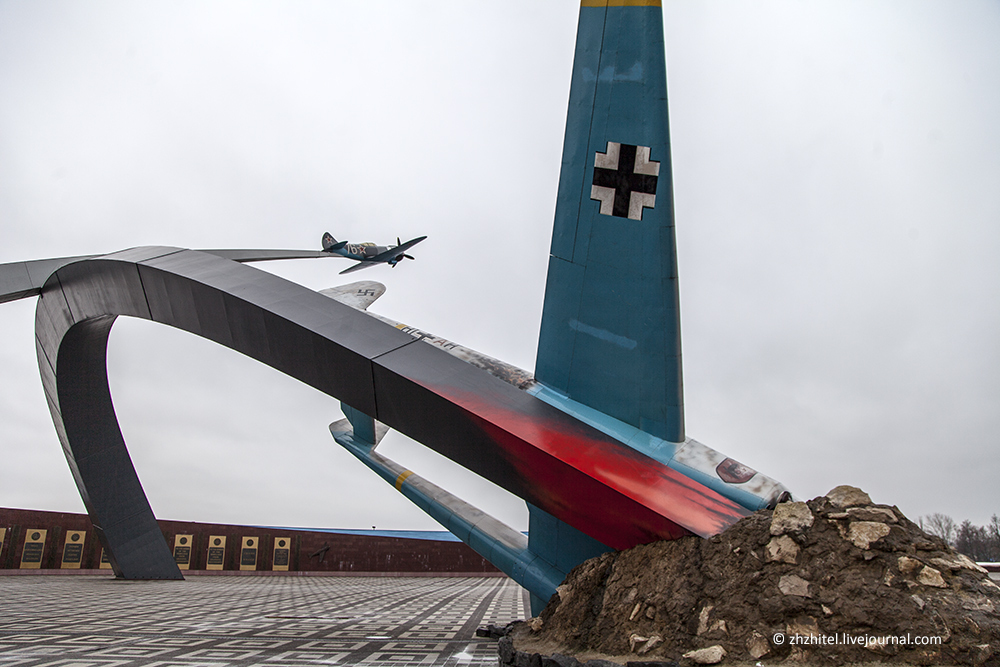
[550, 459]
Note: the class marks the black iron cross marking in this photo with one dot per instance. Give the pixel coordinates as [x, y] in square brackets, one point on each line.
[625, 180]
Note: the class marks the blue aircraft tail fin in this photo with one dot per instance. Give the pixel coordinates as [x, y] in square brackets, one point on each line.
[330, 244]
[610, 334]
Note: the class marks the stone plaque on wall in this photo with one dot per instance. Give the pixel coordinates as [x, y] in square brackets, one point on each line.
[248, 554]
[72, 554]
[216, 552]
[34, 547]
[282, 551]
[105, 561]
[182, 551]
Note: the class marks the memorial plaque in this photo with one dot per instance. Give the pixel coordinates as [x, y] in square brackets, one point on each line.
[182, 550]
[3, 535]
[216, 552]
[105, 561]
[73, 549]
[282, 550]
[248, 555]
[34, 547]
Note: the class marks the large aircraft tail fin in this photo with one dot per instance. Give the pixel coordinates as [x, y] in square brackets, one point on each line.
[610, 334]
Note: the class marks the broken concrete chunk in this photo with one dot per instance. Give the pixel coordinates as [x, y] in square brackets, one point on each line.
[758, 646]
[782, 549]
[908, 566]
[707, 656]
[863, 533]
[790, 518]
[848, 496]
[872, 514]
[792, 584]
[635, 640]
[703, 619]
[650, 644]
[958, 562]
[803, 627]
[919, 601]
[719, 625]
[635, 611]
[826, 610]
[931, 577]
[535, 624]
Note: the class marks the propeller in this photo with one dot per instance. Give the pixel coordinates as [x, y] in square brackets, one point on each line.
[400, 258]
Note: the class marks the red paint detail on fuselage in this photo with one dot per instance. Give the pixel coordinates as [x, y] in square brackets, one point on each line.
[593, 482]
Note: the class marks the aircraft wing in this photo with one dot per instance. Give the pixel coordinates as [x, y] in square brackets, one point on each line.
[392, 252]
[360, 265]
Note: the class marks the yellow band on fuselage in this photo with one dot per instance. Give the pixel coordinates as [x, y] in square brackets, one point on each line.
[621, 3]
[402, 478]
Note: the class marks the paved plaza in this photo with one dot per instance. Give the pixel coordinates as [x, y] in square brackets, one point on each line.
[206, 621]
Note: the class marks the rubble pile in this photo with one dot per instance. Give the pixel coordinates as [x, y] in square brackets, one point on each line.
[833, 580]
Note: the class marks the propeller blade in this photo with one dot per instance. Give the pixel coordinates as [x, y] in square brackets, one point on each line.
[408, 256]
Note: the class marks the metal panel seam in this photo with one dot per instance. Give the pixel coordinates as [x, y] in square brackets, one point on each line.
[371, 370]
[590, 135]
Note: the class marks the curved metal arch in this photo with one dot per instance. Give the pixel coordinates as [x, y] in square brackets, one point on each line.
[544, 456]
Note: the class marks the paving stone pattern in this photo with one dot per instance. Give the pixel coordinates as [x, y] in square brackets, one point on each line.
[96, 621]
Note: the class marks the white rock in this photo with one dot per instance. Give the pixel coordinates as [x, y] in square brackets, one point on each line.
[707, 656]
[863, 533]
[790, 518]
[848, 496]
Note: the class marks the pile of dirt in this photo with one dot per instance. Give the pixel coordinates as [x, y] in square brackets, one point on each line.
[837, 579]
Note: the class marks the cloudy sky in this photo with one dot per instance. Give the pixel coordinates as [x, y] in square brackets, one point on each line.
[837, 182]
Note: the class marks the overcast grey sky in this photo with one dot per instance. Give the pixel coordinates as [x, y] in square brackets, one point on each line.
[837, 184]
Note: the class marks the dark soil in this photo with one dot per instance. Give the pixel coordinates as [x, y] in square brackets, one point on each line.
[859, 570]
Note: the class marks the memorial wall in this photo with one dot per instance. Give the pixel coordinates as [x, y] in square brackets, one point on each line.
[37, 540]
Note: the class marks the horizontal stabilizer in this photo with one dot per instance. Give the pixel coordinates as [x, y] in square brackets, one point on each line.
[358, 295]
[492, 539]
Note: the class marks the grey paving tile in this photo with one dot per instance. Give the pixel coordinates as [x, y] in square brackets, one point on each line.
[89, 621]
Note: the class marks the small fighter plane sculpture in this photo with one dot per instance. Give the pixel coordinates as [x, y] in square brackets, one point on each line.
[369, 254]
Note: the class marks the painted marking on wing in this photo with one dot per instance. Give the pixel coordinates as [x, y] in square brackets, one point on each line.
[603, 334]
